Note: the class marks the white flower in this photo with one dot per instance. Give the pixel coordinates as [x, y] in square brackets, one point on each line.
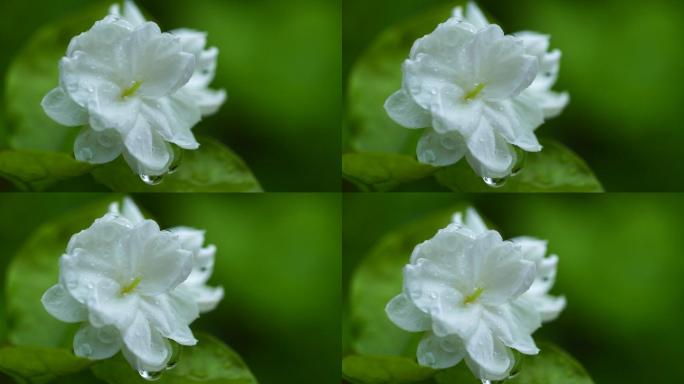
[534, 250]
[466, 289]
[466, 82]
[536, 44]
[122, 279]
[193, 42]
[191, 239]
[135, 90]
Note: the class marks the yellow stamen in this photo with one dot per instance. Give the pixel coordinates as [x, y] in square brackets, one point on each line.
[130, 287]
[473, 296]
[130, 91]
[474, 92]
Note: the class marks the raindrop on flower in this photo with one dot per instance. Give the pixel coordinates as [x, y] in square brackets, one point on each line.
[85, 154]
[86, 349]
[149, 375]
[495, 182]
[175, 356]
[150, 179]
[520, 162]
[429, 157]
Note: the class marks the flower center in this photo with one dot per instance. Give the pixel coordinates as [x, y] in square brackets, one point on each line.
[130, 91]
[474, 92]
[130, 287]
[473, 296]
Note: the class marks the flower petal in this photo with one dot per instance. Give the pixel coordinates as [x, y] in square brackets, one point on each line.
[513, 324]
[440, 352]
[96, 343]
[405, 112]
[146, 151]
[60, 108]
[146, 344]
[488, 152]
[207, 100]
[59, 303]
[97, 147]
[173, 118]
[440, 149]
[157, 258]
[488, 357]
[206, 298]
[158, 61]
[170, 315]
[504, 274]
[108, 110]
[402, 312]
[109, 307]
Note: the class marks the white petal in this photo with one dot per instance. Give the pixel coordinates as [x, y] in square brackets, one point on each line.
[451, 112]
[440, 149]
[158, 61]
[440, 352]
[514, 324]
[208, 100]
[532, 249]
[130, 13]
[97, 147]
[474, 221]
[96, 343]
[488, 358]
[549, 307]
[131, 211]
[59, 303]
[504, 274]
[402, 312]
[551, 103]
[474, 16]
[170, 315]
[148, 148]
[157, 258]
[173, 118]
[206, 298]
[405, 112]
[500, 63]
[515, 120]
[494, 157]
[146, 344]
[426, 281]
[60, 108]
[108, 306]
[452, 316]
[108, 110]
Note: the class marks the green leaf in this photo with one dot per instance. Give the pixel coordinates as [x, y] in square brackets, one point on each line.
[211, 168]
[39, 365]
[382, 171]
[32, 271]
[32, 170]
[374, 77]
[384, 369]
[32, 74]
[377, 280]
[210, 361]
[555, 169]
[551, 365]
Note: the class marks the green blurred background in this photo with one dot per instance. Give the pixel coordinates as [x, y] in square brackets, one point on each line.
[278, 260]
[622, 64]
[620, 268]
[279, 61]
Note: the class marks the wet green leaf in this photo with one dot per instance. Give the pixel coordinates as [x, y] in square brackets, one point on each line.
[33, 170]
[32, 74]
[32, 271]
[210, 361]
[555, 169]
[384, 369]
[37, 365]
[551, 365]
[383, 171]
[211, 168]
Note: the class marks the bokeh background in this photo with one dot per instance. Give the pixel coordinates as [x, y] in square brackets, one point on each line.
[622, 64]
[278, 260]
[279, 61]
[620, 268]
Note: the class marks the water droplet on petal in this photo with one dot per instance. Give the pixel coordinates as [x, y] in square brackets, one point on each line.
[177, 160]
[447, 345]
[149, 375]
[175, 356]
[429, 157]
[86, 350]
[495, 182]
[449, 143]
[485, 381]
[151, 180]
[520, 161]
[85, 154]
[429, 358]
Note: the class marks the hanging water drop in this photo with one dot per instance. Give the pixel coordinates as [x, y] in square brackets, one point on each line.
[175, 356]
[521, 157]
[485, 381]
[495, 182]
[150, 179]
[177, 159]
[149, 375]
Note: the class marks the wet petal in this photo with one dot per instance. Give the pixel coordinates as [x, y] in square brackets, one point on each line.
[60, 304]
[96, 343]
[402, 312]
[405, 112]
[62, 109]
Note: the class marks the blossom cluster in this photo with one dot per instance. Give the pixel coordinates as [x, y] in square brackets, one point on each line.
[479, 93]
[133, 288]
[476, 297]
[135, 90]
